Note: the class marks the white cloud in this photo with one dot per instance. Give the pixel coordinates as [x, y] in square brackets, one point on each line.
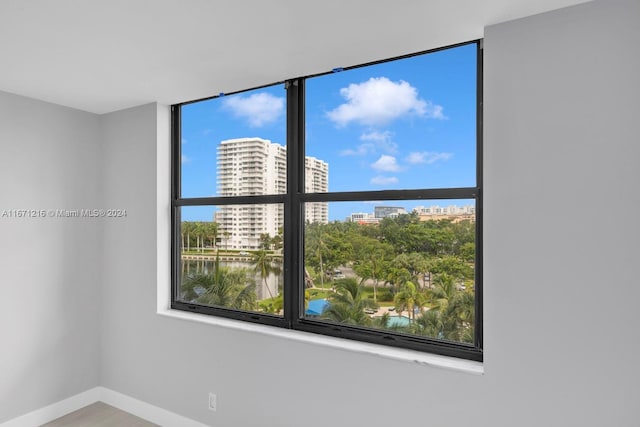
[379, 101]
[383, 180]
[379, 141]
[361, 150]
[259, 109]
[184, 141]
[386, 164]
[428, 157]
[185, 159]
[382, 140]
[376, 136]
[435, 111]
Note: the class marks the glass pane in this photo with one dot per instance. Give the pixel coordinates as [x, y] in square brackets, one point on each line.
[232, 256]
[235, 145]
[406, 266]
[404, 124]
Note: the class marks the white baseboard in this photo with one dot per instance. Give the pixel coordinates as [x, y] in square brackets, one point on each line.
[55, 410]
[121, 401]
[145, 410]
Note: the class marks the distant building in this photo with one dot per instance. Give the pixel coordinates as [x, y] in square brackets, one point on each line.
[256, 166]
[363, 218]
[452, 212]
[429, 213]
[316, 180]
[388, 211]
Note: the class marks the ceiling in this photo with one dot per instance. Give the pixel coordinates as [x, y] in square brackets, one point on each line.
[103, 56]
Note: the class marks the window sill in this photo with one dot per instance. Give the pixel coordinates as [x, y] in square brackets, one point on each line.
[404, 355]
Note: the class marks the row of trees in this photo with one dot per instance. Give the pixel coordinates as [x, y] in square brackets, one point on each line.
[425, 268]
[198, 235]
[393, 252]
[440, 312]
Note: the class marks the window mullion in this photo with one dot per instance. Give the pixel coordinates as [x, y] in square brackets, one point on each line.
[293, 248]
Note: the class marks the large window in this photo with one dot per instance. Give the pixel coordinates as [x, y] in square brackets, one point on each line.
[346, 203]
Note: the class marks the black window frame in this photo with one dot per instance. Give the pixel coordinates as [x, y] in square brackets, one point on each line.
[294, 200]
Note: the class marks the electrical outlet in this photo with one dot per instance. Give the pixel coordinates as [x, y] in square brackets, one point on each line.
[213, 402]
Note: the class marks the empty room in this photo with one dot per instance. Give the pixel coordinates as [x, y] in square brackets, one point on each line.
[347, 213]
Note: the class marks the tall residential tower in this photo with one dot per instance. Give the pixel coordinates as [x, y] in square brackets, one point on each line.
[256, 166]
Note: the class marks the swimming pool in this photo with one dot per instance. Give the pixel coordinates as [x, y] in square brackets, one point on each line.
[395, 321]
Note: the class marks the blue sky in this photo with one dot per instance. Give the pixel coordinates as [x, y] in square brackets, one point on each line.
[397, 125]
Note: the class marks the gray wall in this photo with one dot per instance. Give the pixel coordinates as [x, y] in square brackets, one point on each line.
[561, 227]
[49, 267]
[561, 241]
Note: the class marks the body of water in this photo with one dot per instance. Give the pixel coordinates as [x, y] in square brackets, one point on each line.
[264, 289]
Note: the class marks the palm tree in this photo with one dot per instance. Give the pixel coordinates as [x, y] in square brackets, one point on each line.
[224, 287]
[199, 230]
[211, 232]
[429, 324]
[348, 303]
[265, 241]
[374, 263]
[185, 230]
[315, 247]
[443, 291]
[408, 298]
[460, 316]
[382, 321]
[455, 308]
[397, 276]
[264, 266]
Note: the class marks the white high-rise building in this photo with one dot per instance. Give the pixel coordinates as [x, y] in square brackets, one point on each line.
[316, 180]
[256, 166]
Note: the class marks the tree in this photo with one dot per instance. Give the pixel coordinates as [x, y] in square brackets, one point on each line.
[414, 263]
[272, 305]
[348, 303]
[456, 309]
[373, 263]
[429, 324]
[263, 265]
[199, 230]
[211, 232]
[443, 291]
[326, 247]
[315, 248]
[382, 321]
[397, 276]
[185, 230]
[464, 234]
[276, 241]
[467, 251]
[452, 266]
[224, 287]
[265, 241]
[408, 298]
